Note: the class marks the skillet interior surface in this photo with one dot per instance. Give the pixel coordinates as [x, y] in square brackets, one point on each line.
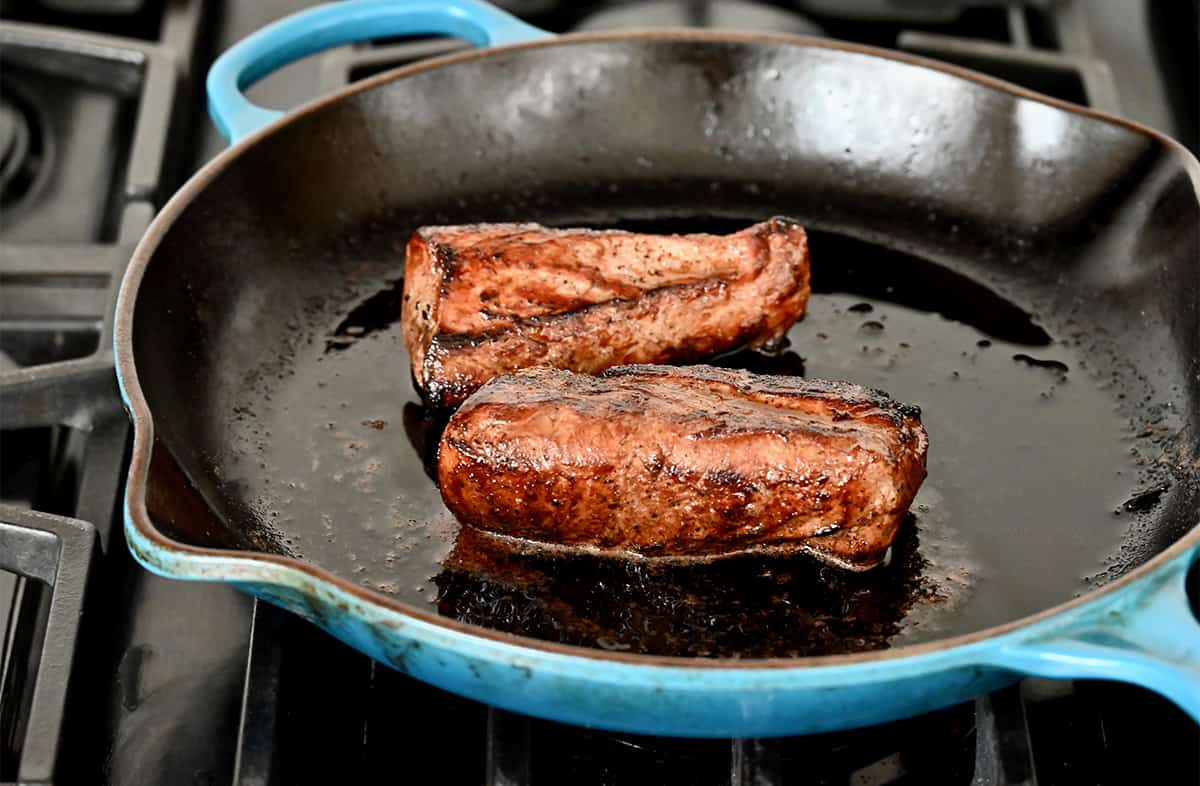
[1024, 273]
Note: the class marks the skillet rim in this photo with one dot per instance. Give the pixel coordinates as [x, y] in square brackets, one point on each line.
[204, 564]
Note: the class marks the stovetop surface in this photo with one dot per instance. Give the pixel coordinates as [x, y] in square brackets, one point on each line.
[101, 118]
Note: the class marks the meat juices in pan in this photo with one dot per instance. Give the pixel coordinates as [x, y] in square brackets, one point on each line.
[489, 299]
[693, 461]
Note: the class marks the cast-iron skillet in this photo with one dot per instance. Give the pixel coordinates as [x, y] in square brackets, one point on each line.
[1024, 269]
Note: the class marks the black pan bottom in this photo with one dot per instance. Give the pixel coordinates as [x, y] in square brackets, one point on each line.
[1028, 461]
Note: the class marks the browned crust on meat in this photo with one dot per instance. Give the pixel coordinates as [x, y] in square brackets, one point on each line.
[694, 461]
[489, 299]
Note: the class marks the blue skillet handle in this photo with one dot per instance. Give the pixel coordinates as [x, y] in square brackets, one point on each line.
[334, 24]
[1144, 633]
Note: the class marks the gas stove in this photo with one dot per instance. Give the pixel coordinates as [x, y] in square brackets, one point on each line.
[109, 674]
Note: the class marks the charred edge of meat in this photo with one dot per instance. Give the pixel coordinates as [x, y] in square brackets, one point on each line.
[860, 563]
[443, 397]
[854, 398]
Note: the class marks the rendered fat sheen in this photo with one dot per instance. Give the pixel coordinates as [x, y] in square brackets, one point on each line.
[684, 462]
[488, 299]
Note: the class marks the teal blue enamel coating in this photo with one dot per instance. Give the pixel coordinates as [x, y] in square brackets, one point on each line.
[1144, 634]
[1138, 630]
[334, 24]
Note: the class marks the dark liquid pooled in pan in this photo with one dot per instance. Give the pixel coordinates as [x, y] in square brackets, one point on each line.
[1027, 461]
[739, 606]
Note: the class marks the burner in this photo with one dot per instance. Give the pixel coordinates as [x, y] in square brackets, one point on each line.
[722, 14]
[18, 150]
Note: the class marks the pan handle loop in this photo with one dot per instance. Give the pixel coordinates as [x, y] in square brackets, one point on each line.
[1145, 634]
[334, 24]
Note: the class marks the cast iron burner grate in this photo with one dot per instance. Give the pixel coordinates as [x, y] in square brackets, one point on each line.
[86, 123]
[54, 555]
[315, 712]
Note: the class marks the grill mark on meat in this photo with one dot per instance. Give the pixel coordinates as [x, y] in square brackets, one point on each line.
[466, 269]
[488, 299]
[529, 326]
[684, 462]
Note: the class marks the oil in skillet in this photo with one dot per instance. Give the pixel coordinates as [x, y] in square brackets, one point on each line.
[918, 331]
[1023, 458]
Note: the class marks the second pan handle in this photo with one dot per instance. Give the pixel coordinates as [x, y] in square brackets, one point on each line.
[1144, 633]
[334, 24]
